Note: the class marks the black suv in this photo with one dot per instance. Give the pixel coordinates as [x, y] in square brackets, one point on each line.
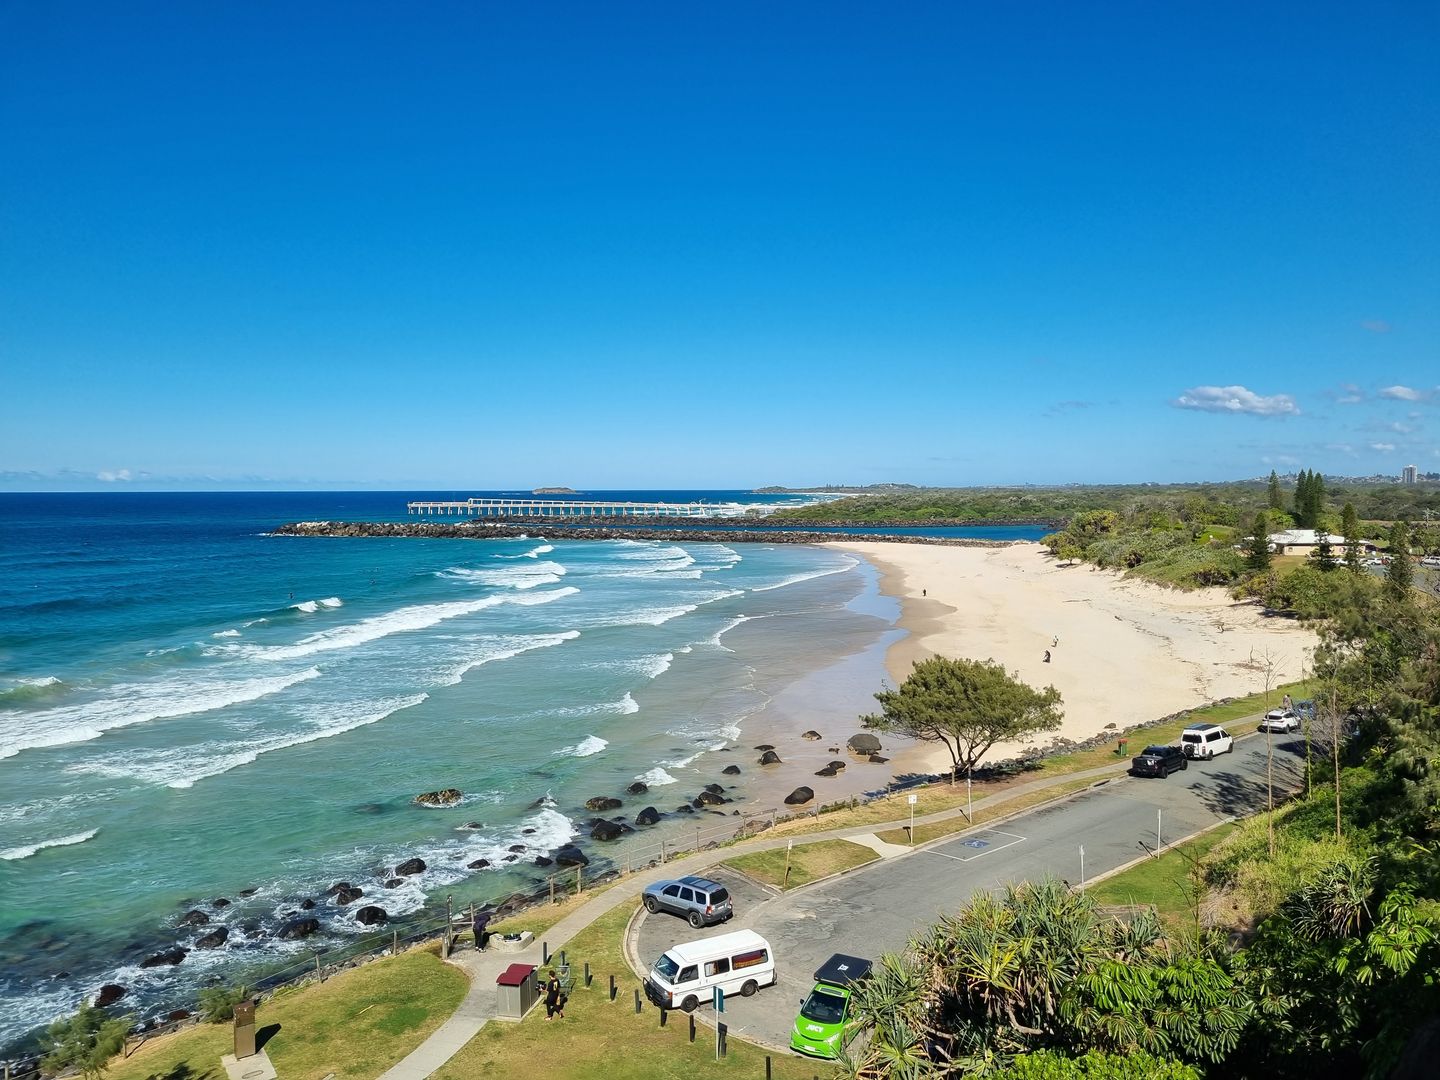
[1158, 761]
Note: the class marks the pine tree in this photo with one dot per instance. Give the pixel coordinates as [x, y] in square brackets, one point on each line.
[1315, 501]
[1324, 553]
[1400, 572]
[1257, 555]
[1302, 487]
[1350, 526]
[1277, 500]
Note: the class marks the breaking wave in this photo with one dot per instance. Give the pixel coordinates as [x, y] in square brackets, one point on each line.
[25, 852]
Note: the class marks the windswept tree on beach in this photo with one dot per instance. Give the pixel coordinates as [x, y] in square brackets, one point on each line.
[967, 706]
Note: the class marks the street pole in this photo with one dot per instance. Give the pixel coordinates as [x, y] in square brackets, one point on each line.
[912, 820]
[1082, 867]
[1158, 812]
[969, 801]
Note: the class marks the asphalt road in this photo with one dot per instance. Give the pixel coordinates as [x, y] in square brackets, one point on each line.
[876, 909]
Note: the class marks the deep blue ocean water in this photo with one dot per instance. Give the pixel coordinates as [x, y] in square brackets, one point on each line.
[190, 707]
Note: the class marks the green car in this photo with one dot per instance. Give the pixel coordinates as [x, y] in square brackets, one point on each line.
[821, 1024]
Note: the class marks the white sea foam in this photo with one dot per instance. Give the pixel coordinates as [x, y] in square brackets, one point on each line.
[506, 648]
[307, 606]
[514, 577]
[182, 767]
[657, 777]
[401, 620]
[128, 704]
[25, 852]
[586, 747]
[33, 689]
[43, 680]
[226, 633]
[795, 579]
[626, 706]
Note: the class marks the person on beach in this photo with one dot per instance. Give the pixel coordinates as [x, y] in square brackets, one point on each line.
[1056, 643]
[554, 1004]
[1047, 656]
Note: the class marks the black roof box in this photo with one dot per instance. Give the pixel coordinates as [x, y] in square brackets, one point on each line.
[841, 969]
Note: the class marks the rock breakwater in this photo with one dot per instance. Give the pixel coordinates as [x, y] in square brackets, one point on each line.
[643, 528]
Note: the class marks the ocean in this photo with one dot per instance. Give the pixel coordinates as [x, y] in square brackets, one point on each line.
[192, 709]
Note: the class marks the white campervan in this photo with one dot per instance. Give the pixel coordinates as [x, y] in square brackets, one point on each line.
[686, 975]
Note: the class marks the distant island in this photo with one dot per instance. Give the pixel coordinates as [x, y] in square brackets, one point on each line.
[554, 491]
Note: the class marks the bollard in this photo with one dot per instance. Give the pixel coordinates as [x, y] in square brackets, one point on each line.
[612, 987]
[692, 1027]
[767, 1067]
[721, 1030]
[587, 974]
[562, 957]
[395, 943]
[544, 952]
[637, 1002]
[664, 1015]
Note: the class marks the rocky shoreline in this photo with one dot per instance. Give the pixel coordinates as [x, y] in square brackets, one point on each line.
[644, 528]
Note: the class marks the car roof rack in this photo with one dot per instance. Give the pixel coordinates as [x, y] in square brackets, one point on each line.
[841, 970]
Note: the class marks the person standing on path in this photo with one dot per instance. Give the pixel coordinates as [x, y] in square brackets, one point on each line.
[553, 1006]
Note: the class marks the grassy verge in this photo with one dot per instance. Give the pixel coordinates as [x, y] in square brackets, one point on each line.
[1162, 882]
[543, 916]
[604, 1040]
[808, 862]
[936, 829]
[355, 1025]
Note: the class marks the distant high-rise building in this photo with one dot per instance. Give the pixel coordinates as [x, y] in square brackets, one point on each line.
[1409, 475]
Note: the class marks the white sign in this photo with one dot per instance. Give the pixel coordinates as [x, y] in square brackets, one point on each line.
[914, 799]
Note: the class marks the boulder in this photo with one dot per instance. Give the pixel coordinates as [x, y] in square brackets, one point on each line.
[799, 796]
[168, 958]
[769, 758]
[876, 759]
[296, 929]
[519, 849]
[444, 797]
[684, 808]
[471, 826]
[247, 893]
[478, 864]
[348, 896]
[526, 831]
[394, 882]
[863, 743]
[543, 860]
[731, 770]
[812, 735]
[409, 867]
[570, 855]
[648, 816]
[339, 887]
[639, 787]
[709, 798]
[307, 904]
[602, 802]
[219, 903]
[109, 994]
[837, 765]
[510, 858]
[194, 917]
[718, 789]
[370, 915]
[765, 746]
[214, 939]
[828, 770]
[606, 830]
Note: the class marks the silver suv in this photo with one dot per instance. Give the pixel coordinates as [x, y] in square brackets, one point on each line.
[697, 899]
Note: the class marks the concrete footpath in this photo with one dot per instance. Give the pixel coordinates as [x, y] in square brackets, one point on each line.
[479, 1005]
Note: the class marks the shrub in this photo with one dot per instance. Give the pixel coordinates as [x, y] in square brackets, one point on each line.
[217, 1004]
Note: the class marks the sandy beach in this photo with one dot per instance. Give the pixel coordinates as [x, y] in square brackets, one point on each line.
[1128, 651]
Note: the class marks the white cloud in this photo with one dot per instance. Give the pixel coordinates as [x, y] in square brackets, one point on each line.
[1236, 399]
[111, 476]
[1340, 447]
[1383, 447]
[1401, 393]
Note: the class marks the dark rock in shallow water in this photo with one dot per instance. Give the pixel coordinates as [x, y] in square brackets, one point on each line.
[445, 797]
[765, 746]
[220, 903]
[837, 765]
[370, 808]
[214, 939]
[710, 798]
[602, 802]
[864, 743]
[394, 882]
[812, 735]
[715, 789]
[109, 994]
[478, 864]
[770, 758]
[876, 759]
[370, 915]
[194, 917]
[517, 848]
[248, 892]
[296, 929]
[410, 866]
[543, 860]
[684, 808]
[338, 887]
[731, 770]
[168, 958]
[798, 796]
[828, 770]
[348, 896]
[648, 816]
[511, 858]
[526, 832]
[306, 904]
[570, 855]
[471, 826]
[606, 830]
[639, 787]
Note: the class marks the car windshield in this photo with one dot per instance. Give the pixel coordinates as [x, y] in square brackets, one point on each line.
[666, 968]
[1157, 751]
[823, 1007]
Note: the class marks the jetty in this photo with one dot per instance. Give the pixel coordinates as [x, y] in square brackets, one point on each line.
[568, 508]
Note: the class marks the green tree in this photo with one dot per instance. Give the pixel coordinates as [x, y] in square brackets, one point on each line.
[1324, 553]
[85, 1042]
[1276, 500]
[1350, 527]
[966, 705]
[217, 1003]
[1257, 553]
[1401, 572]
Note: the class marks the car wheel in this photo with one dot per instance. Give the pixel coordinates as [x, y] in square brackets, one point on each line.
[749, 988]
[1209, 754]
[697, 920]
[1184, 764]
[652, 905]
[689, 1004]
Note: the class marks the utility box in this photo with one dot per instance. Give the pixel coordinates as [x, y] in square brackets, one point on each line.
[517, 991]
[245, 1029]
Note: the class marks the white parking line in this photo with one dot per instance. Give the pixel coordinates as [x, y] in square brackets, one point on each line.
[1015, 839]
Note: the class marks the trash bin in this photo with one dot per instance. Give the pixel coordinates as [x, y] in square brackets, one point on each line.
[516, 991]
[1123, 747]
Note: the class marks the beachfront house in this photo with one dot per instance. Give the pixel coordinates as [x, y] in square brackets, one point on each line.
[1305, 541]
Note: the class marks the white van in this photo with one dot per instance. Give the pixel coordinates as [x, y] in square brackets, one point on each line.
[686, 975]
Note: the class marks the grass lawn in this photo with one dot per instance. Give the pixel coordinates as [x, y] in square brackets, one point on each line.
[543, 916]
[355, 1025]
[937, 829]
[1162, 882]
[604, 1040]
[807, 862]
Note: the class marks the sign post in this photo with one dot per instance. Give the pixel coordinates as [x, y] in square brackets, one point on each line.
[912, 799]
[1158, 812]
[785, 884]
[1082, 867]
[969, 801]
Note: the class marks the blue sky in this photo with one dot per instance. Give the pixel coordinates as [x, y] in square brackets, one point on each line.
[631, 245]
